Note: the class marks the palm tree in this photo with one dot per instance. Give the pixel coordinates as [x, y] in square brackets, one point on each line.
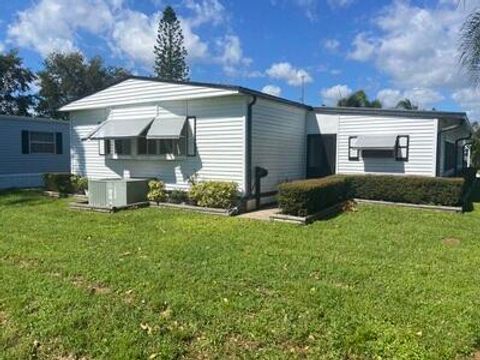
[470, 46]
[358, 99]
[406, 104]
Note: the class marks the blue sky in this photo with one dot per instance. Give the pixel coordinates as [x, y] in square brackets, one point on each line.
[391, 49]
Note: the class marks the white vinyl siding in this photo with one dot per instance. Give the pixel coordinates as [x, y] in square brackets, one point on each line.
[219, 138]
[422, 147]
[278, 142]
[137, 91]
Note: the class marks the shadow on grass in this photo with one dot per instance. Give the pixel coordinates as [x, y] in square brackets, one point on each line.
[12, 197]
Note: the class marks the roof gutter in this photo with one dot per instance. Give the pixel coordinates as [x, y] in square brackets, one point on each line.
[439, 141]
[248, 145]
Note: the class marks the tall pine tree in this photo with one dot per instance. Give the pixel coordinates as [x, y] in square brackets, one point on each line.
[170, 53]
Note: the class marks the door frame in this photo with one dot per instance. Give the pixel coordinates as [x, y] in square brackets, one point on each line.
[334, 165]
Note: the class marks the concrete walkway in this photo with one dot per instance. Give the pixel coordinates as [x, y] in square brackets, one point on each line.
[262, 214]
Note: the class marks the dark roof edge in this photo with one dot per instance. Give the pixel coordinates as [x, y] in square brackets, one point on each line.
[424, 114]
[4, 117]
[240, 89]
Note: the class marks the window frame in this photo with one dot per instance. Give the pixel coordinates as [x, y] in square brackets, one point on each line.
[352, 158]
[33, 142]
[193, 153]
[104, 147]
[398, 148]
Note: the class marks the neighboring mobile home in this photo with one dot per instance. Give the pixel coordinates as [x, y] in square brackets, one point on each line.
[176, 131]
[30, 147]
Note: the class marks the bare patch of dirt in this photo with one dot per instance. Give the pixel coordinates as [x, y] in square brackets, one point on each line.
[451, 242]
[238, 341]
[3, 318]
[80, 282]
[22, 262]
[476, 355]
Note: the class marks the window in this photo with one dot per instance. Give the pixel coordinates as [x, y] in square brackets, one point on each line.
[176, 147]
[402, 148]
[42, 142]
[449, 156]
[104, 147]
[353, 153]
[122, 146]
[377, 153]
[191, 136]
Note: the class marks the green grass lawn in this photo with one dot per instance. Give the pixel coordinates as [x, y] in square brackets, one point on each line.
[380, 282]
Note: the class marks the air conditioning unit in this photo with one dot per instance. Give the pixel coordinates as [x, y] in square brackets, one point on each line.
[112, 193]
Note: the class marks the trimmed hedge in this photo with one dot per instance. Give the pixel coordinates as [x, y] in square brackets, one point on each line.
[306, 197]
[408, 189]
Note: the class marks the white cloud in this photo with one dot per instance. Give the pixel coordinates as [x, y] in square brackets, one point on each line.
[232, 57]
[416, 46]
[206, 12]
[2, 47]
[424, 98]
[331, 45]
[340, 3]
[468, 98]
[331, 95]
[363, 48]
[287, 72]
[54, 25]
[51, 25]
[309, 7]
[134, 35]
[272, 90]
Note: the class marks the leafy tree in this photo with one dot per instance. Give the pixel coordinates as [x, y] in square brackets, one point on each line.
[66, 77]
[15, 85]
[359, 99]
[470, 45]
[169, 50]
[406, 104]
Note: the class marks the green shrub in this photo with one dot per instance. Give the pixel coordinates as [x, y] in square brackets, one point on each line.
[60, 182]
[79, 184]
[156, 191]
[178, 196]
[306, 197]
[214, 194]
[408, 189]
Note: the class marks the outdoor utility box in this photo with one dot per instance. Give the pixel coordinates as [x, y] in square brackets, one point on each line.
[111, 193]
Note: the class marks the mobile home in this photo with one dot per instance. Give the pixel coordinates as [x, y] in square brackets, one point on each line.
[30, 147]
[175, 131]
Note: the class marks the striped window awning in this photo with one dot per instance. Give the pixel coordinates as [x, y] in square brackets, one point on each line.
[118, 129]
[166, 128]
